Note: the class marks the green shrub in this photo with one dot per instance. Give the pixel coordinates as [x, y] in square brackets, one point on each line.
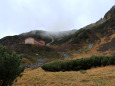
[82, 71]
[80, 64]
[9, 67]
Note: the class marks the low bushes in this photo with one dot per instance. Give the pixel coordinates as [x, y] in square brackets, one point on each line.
[80, 64]
[10, 67]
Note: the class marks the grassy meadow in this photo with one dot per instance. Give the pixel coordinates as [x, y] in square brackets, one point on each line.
[100, 76]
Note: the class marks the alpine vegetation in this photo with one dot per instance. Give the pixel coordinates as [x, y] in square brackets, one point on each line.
[10, 67]
[80, 64]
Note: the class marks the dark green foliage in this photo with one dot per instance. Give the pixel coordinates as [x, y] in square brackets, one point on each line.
[76, 39]
[80, 64]
[83, 71]
[29, 50]
[64, 39]
[98, 26]
[112, 22]
[80, 36]
[84, 35]
[9, 67]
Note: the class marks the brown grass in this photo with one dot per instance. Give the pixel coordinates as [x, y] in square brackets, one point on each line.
[102, 76]
[25, 60]
[93, 51]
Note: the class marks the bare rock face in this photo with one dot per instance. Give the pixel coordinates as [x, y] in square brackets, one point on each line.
[90, 45]
[110, 13]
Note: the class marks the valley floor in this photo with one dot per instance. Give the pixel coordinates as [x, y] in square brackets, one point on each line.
[101, 76]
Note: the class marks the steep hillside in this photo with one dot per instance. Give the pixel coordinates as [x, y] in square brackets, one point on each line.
[48, 37]
[92, 35]
[31, 53]
[94, 39]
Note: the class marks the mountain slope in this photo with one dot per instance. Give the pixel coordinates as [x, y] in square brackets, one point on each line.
[98, 38]
[94, 39]
[93, 34]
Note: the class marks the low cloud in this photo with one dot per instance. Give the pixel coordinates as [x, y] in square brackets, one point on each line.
[18, 16]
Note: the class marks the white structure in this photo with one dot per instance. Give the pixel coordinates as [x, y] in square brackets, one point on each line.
[29, 40]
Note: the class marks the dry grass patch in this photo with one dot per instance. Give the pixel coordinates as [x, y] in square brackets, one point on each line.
[93, 51]
[101, 76]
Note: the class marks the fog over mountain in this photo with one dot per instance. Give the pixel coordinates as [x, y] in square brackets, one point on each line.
[18, 16]
[50, 33]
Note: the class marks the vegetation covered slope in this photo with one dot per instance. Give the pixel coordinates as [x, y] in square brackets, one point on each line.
[97, 37]
[87, 37]
[10, 67]
[80, 64]
[91, 34]
[75, 38]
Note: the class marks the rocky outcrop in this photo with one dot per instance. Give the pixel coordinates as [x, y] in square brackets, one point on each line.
[110, 13]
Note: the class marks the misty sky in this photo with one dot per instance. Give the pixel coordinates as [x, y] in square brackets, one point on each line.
[18, 16]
